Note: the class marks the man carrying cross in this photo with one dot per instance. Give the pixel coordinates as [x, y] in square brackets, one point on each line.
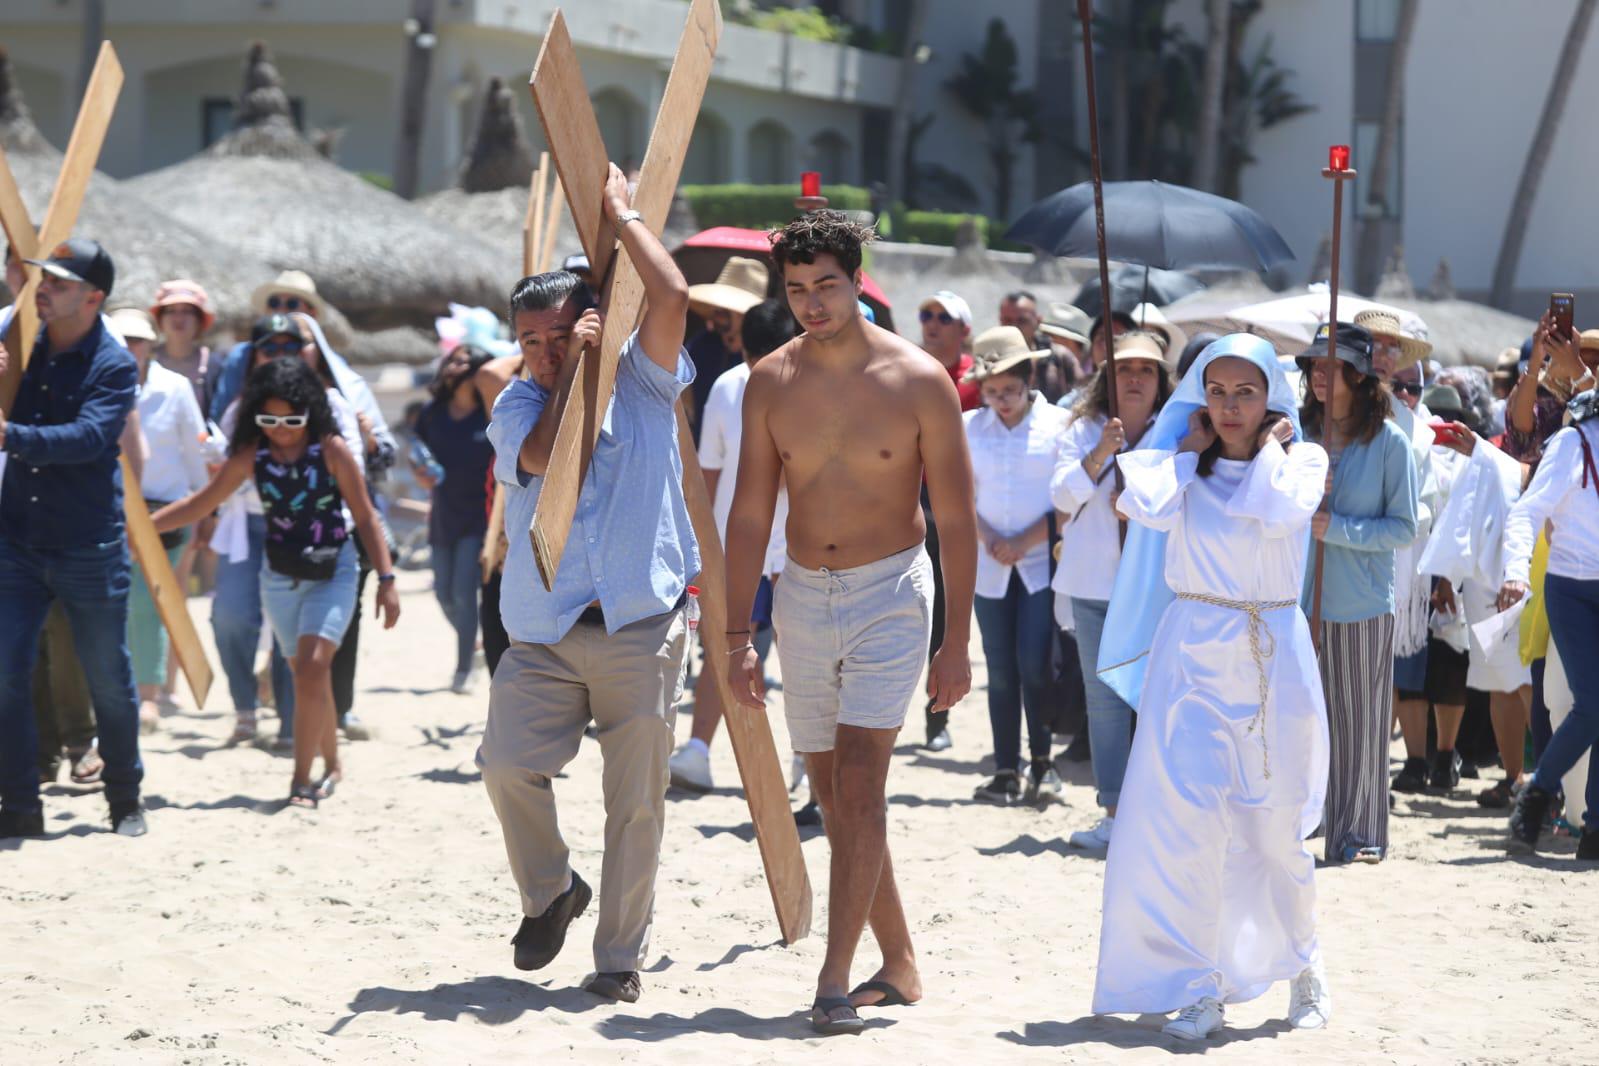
[608, 640]
[62, 533]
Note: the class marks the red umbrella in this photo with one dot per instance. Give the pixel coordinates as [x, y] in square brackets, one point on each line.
[701, 257]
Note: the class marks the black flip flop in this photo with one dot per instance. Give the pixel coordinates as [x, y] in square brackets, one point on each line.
[892, 997]
[304, 797]
[822, 1021]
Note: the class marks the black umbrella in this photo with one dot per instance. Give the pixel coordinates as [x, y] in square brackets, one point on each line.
[1132, 285]
[1153, 224]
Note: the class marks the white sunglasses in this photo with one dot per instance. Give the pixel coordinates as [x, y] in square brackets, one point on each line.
[286, 421]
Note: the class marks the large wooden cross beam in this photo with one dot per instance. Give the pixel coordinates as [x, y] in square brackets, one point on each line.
[582, 163]
[77, 167]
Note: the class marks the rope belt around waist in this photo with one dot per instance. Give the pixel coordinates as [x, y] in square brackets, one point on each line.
[1262, 646]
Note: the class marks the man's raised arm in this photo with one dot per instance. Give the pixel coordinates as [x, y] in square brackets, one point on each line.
[665, 290]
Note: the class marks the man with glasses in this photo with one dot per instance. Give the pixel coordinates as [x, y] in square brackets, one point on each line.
[62, 535]
[290, 291]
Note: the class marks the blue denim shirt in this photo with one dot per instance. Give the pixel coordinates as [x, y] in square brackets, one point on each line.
[63, 485]
[632, 546]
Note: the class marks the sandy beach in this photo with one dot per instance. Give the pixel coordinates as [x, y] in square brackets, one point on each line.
[377, 928]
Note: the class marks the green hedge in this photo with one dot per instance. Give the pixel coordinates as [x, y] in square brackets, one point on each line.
[762, 206]
[933, 227]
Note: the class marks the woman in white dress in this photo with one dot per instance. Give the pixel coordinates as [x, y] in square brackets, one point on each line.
[1209, 889]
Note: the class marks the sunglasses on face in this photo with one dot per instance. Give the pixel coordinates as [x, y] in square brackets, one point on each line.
[280, 348]
[286, 303]
[286, 421]
[1409, 388]
[943, 316]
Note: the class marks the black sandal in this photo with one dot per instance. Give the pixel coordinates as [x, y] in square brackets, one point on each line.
[1498, 798]
[325, 787]
[304, 796]
[892, 997]
[822, 1020]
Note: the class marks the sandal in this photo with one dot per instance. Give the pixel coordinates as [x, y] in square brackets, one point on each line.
[1364, 853]
[86, 765]
[1498, 797]
[304, 796]
[244, 728]
[892, 997]
[330, 781]
[822, 1020]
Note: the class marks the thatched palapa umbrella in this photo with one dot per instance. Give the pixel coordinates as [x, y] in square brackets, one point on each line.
[264, 189]
[148, 245]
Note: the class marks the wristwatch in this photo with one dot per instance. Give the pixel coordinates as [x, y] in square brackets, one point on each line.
[624, 218]
[384, 579]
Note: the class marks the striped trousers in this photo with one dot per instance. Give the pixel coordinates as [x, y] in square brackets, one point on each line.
[1357, 676]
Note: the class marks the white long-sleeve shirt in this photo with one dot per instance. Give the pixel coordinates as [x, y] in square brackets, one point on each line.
[172, 425]
[721, 436]
[1090, 542]
[1011, 468]
[1558, 494]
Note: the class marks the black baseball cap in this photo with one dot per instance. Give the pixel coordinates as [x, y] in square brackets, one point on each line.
[273, 325]
[1121, 318]
[1353, 346]
[80, 259]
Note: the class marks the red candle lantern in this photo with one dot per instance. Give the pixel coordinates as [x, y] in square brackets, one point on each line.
[1338, 157]
[811, 183]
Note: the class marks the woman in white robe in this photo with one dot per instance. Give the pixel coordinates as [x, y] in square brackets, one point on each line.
[1209, 889]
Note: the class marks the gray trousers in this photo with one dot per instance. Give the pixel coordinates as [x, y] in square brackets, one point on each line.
[542, 697]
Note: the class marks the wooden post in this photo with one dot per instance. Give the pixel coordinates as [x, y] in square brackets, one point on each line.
[77, 167]
[1330, 369]
[552, 226]
[581, 165]
[1107, 333]
[533, 223]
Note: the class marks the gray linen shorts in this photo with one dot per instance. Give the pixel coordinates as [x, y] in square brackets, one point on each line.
[852, 644]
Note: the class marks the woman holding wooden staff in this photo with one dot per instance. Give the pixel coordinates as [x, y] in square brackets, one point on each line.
[1370, 512]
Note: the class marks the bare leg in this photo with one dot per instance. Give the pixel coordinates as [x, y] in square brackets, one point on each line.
[850, 784]
[1412, 715]
[315, 727]
[707, 708]
[1509, 713]
[1449, 719]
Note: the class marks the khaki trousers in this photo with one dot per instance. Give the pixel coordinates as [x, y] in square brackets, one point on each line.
[542, 698]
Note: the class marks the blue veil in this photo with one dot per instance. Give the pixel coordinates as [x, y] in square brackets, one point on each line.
[1141, 593]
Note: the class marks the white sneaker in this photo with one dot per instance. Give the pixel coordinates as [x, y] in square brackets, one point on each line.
[1097, 838]
[1198, 1021]
[796, 773]
[1309, 1002]
[690, 767]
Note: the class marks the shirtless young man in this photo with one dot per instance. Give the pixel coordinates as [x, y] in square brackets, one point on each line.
[851, 415]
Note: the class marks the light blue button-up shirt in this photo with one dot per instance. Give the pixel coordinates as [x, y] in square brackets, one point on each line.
[632, 546]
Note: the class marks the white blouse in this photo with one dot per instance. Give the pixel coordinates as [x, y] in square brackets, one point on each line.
[1562, 494]
[1090, 541]
[1012, 468]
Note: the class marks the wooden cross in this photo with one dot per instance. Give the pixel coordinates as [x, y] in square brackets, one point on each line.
[580, 158]
[77, 167]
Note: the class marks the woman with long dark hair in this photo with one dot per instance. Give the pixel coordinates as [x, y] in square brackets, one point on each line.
[454, 426]
[286, 440]
[1370, 511]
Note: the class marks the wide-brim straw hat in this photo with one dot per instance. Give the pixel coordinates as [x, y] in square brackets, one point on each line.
[741, 285]
[1589, 339]
[1150, 319]
[182, 292]
[1066, 322]
[1141, 344]
[133, 324]
[1412, 349]
[287, 283]
[998, 350]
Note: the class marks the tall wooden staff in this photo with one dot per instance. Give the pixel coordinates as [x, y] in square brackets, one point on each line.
[1337, 172]
[1085, 13]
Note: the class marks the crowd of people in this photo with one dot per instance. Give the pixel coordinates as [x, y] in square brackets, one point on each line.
[1140, 523]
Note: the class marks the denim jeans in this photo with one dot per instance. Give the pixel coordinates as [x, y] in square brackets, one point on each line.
[1110, 719]
[1018, 630]
[236, 621]
[92, 584]
[456, 579]
[1574, 624]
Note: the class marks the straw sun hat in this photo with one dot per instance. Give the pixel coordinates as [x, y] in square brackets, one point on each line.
[1066, 322]
[998, 350]
[1412, 349]
[288, 283]
[740, 286]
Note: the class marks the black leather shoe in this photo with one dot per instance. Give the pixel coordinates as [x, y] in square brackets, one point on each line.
[540, 939]
[1588, 846]
[1445, 773]
[624, 986]
[1527, 818]
[21, 824]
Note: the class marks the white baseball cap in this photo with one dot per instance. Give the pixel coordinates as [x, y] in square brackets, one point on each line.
[957, 307]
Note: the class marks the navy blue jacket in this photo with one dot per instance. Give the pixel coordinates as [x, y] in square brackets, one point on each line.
[63, 485]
